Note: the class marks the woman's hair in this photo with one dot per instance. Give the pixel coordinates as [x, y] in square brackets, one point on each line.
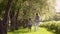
[36, 13]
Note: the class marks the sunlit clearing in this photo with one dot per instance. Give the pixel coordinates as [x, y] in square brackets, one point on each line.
[57, 7]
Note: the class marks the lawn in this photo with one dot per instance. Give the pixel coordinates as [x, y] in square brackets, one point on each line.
[25, 31]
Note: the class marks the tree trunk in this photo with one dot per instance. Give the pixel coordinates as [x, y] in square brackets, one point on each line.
[1, 27]
[12, 19]
[5, 19]
[16, 22]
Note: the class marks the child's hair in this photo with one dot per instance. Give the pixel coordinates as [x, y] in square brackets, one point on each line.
[29, 18]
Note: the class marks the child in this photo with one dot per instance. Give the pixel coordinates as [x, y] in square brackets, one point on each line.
[29, 24]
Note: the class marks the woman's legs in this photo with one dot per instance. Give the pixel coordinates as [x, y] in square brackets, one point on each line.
[35, 27]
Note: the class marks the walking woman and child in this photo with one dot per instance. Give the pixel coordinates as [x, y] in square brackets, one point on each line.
[35, 24]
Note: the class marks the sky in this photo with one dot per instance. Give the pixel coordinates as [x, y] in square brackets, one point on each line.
[57, 7]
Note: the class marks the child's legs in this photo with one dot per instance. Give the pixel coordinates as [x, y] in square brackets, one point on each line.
[29, 27]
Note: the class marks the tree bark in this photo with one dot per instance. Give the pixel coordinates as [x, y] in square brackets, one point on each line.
[12, 19]
[1, 27]
[16, 22]
[5, 17]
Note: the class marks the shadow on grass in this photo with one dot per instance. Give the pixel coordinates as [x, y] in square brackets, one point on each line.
[20, 31]
[23, 31]
[52, 30]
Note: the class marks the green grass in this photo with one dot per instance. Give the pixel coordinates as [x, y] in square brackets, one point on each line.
[25, 31]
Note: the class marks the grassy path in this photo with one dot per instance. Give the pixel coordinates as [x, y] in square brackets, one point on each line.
[25, 31]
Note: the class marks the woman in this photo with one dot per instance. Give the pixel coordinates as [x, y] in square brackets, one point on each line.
[36, 22]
